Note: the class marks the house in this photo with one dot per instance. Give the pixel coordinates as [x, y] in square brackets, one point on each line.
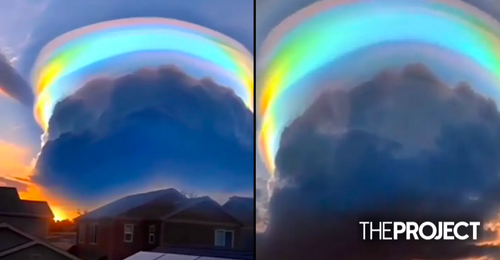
[24, 227]
[29, 216]
[244, 210]
[145, 221]
[201, 223]
[19, 245]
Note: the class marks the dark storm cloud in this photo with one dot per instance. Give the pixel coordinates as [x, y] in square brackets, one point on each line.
[13, 84]
[402, 146]
[152, 125]
[233, 18]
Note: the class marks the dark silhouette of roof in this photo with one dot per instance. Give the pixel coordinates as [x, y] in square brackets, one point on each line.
[13, 205]
[207, 252]
[201, 208]
[162, 204]
[186, 204]
[9, 193]
[241, 208]
[125, 207]
[32, 241]
[156, 208]
[38, 208]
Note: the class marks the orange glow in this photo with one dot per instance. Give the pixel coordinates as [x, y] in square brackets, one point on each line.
[14, 161]
[60, 208]
[16, 168]
[3, 93]
[494, 226]
[58, 213]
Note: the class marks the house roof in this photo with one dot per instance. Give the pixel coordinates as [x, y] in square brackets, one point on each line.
[33, 241]
[13, 205]
[247, 202]
[186, 204]
[38, 208]
[160, 204]
[155, 208]
[192, 203]
[9, 193]
[242, 208]
[122, 206]
[206, 252]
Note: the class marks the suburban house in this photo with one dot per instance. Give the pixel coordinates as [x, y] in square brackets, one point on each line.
[244, 210]
[158, 219]
[24, 227]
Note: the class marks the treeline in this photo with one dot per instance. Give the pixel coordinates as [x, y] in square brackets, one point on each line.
[67, 225]
[62, 226]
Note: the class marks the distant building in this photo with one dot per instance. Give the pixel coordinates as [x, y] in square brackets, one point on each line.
[24, 227]
[159, 219]
[29, 216]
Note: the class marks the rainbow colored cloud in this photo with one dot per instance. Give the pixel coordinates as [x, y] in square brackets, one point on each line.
[114, 48]
[327, 32]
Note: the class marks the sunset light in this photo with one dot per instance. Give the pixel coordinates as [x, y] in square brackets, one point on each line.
[59, 214]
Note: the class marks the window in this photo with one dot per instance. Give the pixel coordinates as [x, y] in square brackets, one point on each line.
[93, 234]
[224, 238]
[36, 257]
[81, 233]
[128, 233]
[152, 230]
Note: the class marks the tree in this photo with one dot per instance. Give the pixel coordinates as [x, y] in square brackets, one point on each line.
[79, 213]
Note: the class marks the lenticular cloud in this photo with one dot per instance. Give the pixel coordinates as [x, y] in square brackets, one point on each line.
[118, 47]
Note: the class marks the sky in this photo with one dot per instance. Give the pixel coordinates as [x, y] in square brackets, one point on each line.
[367, 110]
[115, 128]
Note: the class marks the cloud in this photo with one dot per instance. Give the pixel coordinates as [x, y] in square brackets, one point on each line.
[232, 18]
[401, 146]
[13, 85]
[15, 28]
[152, 126]
[269, 13]
[16, 171]
[261, 203]
[14, 160]
[22, 187]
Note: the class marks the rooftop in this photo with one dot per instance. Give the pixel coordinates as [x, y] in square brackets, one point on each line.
[134, 205]
[12, 204]
[29, 242]
[188, 203]
[168, 203]
[242, 208]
